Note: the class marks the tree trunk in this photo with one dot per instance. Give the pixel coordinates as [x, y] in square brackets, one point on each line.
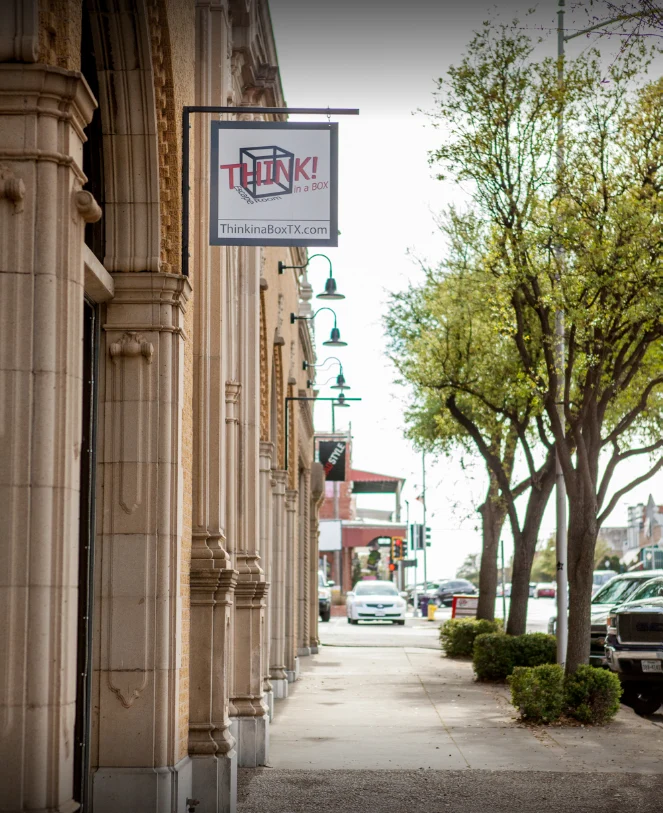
[525, 546]
[583, 530]
[492, 513]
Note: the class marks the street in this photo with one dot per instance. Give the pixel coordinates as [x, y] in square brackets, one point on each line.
[381, 722]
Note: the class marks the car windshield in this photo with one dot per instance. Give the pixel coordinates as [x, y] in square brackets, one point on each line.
[615, 591]
[322, 582]
[601, 577]
[653, 589]
[375, 589]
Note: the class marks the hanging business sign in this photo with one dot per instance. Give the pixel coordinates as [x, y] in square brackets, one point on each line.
[332, 457]
[273, 184]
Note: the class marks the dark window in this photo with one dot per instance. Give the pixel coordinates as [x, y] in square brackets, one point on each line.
[93, 163]
[85, 560]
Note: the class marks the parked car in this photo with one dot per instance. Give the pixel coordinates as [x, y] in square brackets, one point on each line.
[532, 589]
[634, 647]
[545, 590]
[324, 596]
[375, 601]
[507, 590]
[451, 587]
[619, 589]
[409, 590]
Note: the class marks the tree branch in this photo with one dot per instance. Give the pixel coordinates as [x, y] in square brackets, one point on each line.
[616, 497]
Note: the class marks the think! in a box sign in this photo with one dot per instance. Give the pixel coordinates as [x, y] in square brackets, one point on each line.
[274, 184]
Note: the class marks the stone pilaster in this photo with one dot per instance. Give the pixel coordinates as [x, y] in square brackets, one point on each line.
[291, 585]
[303, 600]
[232, 395]
[138, 606]
[277, 666]
[266, 524]
[251, 712]
[317, 496]
[213, 578]
[43, 111]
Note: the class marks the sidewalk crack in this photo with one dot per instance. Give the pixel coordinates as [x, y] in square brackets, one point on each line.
[435, 709]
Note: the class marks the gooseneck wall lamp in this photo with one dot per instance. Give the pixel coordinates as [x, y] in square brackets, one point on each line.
[340, 379]
[330, 293]
[334, 339]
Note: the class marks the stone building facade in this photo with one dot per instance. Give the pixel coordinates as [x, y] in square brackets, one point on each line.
[158, 554]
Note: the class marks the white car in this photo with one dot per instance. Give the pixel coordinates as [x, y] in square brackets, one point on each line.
[375, 601]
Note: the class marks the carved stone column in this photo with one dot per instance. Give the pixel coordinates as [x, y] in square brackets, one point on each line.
[231, 476]
[138, 608]
[213, 577]
[291, 585]
[305, 585]
[250, 710]
[317, 496]
[43, 112]
[277, 667]
[266, 523]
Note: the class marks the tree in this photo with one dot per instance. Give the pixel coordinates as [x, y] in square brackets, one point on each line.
[464, 373]
[470, 569]
[586, 242]
[544, 567]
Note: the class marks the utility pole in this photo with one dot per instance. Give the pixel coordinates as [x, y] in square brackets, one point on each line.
[561, 540]
[423, 467]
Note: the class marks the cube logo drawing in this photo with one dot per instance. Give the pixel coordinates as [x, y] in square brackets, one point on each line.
[266, 171]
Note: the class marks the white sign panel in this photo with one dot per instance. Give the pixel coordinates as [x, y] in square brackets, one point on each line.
[331, 534]
[274, 184]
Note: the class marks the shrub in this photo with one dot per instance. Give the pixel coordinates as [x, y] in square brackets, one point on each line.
[494, 656]
[457, 634]
[538, 692]
[535, 649]
[592, 694]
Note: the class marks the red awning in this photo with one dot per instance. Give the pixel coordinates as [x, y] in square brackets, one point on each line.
[361, 536]
[371, 477]
[369, 482]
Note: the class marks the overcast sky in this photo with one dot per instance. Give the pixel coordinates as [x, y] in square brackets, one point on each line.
[384, 57]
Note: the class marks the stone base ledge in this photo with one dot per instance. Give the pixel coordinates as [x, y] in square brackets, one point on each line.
[144, 789]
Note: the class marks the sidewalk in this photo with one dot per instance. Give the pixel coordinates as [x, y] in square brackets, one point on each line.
[363, 720]
[411, 708]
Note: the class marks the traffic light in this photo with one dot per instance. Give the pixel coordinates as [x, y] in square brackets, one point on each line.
[392, 567]
[397, 550]
[420, 536]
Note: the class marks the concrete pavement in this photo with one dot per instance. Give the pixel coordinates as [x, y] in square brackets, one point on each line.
[380, 728]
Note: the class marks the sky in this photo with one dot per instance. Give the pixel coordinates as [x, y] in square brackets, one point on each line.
[383, 57]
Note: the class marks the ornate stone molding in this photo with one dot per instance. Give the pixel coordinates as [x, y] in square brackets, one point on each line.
[87, 206]
[132, 345]
[19, 30]
[12, 188]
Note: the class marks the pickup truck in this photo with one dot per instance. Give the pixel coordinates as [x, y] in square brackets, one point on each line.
[634, 648]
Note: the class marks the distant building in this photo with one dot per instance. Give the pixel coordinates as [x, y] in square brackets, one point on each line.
[352, 536]
[642, 549]
[615, 538]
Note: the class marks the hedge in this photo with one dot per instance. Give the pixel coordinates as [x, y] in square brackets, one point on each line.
[535, 649]
[496, 655]
[542, 693]
[592, 695]
[457, 634]
[538, 692]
